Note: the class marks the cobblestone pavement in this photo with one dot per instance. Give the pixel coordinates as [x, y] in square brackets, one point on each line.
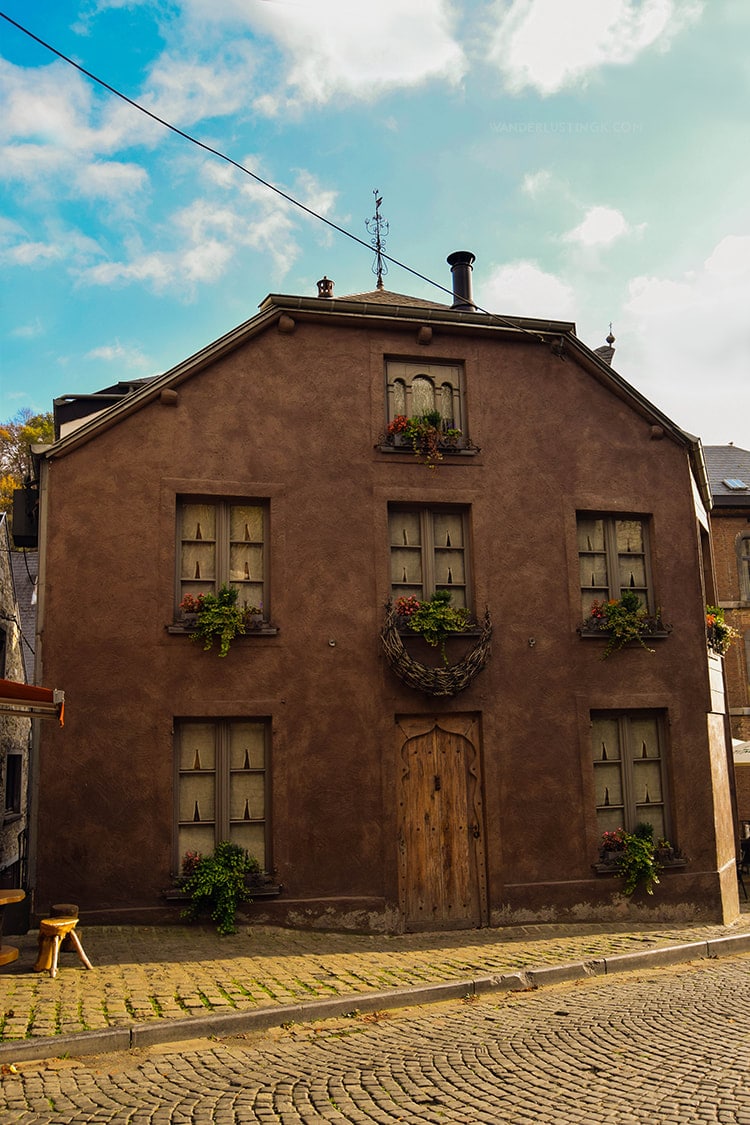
[661, 1047]
[145, 976]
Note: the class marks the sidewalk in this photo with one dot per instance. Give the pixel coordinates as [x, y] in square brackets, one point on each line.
[158, 984]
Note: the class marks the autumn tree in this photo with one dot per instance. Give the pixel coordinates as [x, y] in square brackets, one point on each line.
[16, 439]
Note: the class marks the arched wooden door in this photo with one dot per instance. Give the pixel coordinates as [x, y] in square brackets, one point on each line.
[442, 869]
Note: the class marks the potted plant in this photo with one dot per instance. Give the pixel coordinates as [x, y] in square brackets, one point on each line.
[434, 619]
[623, 620]
[217, 617]
[427, 434]
[612, 846]
[634, 856]
[719, 635]
[217, 885]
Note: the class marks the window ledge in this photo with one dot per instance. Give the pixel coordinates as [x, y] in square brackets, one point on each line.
[11, 817]
[603, 635]
[664, 865]
[179, 629]
[446, 450]
[257, 890]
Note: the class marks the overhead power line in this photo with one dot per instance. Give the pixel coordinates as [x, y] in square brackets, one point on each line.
[241, 168]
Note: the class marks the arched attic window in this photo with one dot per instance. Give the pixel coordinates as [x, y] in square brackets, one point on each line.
[414, 388]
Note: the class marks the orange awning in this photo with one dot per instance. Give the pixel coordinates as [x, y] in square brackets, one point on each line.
[34, 702]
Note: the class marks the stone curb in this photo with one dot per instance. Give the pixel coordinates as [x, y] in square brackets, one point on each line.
[152, 1033]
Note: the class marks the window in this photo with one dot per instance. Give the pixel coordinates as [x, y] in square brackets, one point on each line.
[613, 558]
[419, 388]
[743, 562]
[628, 757]
[13, 773]
[429, 551]
[223, 541]
[222, 776]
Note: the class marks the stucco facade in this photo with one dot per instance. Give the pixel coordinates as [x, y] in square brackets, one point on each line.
[287, 415]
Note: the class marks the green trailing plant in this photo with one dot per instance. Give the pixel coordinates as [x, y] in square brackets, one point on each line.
[434, 619]
[719, 634]
[218, 618]
[623, 620]
[637, 863]
[216, 884]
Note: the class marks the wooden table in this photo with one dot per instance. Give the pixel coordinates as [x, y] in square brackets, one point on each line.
[8, 953]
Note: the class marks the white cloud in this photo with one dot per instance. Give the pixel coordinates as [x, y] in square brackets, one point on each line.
[601, 226]
[117, 352]
[548, 45]
[352, 48]
[184, 89]
[206, 236]
[31, 254]
[535, 183]
[523, 289]
[110, 180]
[692, 335]
[29, 331]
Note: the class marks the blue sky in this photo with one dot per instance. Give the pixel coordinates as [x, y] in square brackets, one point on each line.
[593, 154]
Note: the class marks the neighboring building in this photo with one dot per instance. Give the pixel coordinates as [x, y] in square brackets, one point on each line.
[729, 474]
[25, 566]
[262, 461]
[15, 730]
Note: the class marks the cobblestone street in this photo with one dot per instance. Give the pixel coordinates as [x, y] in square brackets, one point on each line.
[668, 1046]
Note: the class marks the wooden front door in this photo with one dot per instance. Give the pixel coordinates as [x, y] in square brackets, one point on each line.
[442, 872]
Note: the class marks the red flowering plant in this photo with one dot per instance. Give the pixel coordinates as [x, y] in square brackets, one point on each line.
[612, 841]
[190, 861]
[428, 434]
[189, 604]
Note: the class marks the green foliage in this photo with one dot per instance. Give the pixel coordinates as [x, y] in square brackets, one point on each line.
[219, 619]
[435, 619]
[637, 863]
[719, 634]
[17, 436]
[624, 621]
[216, 884]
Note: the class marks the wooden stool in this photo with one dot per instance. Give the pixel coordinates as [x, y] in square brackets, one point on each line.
[8, 953]
[51, 933]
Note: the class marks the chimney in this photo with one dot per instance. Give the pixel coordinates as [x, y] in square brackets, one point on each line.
[461, 262]
[325, 287]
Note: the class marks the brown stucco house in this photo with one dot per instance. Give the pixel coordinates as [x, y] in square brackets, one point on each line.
[380, 786]
[729, 475]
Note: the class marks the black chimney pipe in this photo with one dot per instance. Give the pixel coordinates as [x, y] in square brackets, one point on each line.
[461, 262]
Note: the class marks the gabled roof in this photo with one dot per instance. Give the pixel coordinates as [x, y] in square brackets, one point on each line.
[728, 471]
[382, 307]
[386, 297]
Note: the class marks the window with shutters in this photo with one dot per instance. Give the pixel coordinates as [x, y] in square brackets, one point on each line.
[613, 554]
[429, 551]
[222, 786]
[628, 761]
[223, 542]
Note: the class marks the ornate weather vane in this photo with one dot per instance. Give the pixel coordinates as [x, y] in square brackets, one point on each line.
[378, 228]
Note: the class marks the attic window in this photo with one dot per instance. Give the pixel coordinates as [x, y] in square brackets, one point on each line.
[735, 484]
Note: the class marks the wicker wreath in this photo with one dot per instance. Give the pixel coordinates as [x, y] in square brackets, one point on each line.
[434, 681]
